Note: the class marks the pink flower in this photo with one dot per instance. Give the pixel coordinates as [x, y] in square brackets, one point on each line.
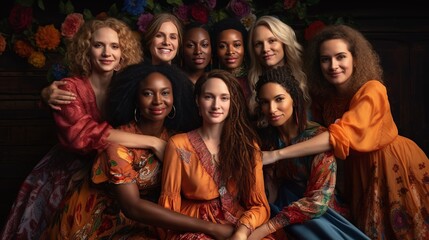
[288, 4]
[20, 17]
[144, 21]
[182, 13]
[312, 29]
[240, 8]
[71, 24]
[200, 13]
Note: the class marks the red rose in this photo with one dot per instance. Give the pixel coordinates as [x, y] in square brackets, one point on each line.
[71, 24]
[240, 8]
[313, 28]
[20, 17]
[199, 13]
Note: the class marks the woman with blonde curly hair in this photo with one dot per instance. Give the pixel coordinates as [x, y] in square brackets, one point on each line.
[97, 51]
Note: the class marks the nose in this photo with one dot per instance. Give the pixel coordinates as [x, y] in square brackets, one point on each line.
[265, 47]
[106, 52]
[166, 41]
[272, 108]
[157, 99]
[215, 105]
[198, 50]
[334, 64]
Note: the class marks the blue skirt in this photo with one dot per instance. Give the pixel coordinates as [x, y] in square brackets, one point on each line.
[331, 225]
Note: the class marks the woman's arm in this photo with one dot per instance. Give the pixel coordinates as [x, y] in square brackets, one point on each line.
[54, 96]
[147, 212]
[317, 144]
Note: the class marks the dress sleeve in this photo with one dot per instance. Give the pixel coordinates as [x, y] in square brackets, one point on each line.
[258, 209]
[320, 188]
[171, 177]
[367, 125]
[78, 124]
[114, 165]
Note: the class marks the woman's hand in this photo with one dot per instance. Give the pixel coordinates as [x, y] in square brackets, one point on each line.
[222, 231]
[259, 232]
[269, 157]
[53, 96]
[158, 147]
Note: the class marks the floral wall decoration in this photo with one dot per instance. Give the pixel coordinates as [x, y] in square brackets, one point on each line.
[22, 33]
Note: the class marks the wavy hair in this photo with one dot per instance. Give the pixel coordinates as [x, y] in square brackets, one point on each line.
[238, 138]
[78, 50]
[366, 62]
[123, 95]
[292, 51]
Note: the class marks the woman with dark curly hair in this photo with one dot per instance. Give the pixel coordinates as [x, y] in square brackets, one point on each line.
[120, 198]
[386, 177]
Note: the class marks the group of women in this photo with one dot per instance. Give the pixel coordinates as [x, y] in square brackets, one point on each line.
[186, 145]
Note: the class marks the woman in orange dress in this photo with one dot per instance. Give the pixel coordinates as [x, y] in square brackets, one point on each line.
[388, 185]
[214, 172]
[120, 202]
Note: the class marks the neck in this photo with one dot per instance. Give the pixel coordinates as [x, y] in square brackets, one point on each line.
[288, 131]
[194, 75]
[239, 71]
[151, 128]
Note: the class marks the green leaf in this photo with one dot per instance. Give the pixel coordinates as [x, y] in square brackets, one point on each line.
[62, 7]
[87, 15]
[69, 8]
[113, 10]
[41, 4]
[150, 5]
[175, 2]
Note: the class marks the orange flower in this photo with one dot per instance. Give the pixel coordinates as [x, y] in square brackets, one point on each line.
[47, 37]
[23, 48]
[37, 59]
[2, 44]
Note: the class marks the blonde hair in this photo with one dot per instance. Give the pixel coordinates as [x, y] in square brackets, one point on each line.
[78, 50]
[292, 51]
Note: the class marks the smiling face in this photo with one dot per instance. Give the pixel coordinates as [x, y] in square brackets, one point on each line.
[105, 50]
[276, 104]
[214, 101]
[336, 62]
[230, 49]
[197, 49]
[268, 48]
[165, 44]
[155, 97]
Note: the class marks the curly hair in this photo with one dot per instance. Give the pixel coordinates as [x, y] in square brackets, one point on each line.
[365, 60]
[155, 25]
[292, 51]
[283, 76]
[78, 50]
[123, 94]
[239, 141]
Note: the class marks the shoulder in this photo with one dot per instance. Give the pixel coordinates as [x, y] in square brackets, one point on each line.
[372, 86]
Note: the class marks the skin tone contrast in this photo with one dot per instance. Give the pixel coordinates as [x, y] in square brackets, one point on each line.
[196, 52]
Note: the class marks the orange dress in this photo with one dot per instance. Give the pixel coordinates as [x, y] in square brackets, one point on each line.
[92, 212]
[387, 174]
[191, 186]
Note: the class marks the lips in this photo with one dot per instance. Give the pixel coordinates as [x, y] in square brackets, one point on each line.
[157, 111]
[231, 60]
[199, 60]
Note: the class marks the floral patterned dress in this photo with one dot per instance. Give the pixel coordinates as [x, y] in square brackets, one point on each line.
[93, 212]
[387, 175]
[82, 132]
[191, 185]
[306, 205]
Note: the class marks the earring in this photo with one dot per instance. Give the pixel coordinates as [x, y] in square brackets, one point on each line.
[137, 119]
[173, 110]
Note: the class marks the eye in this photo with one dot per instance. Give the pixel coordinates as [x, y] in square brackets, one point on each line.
[279, 99]
[271, 41]
[324, 59]
[115, 46]
[165, 93]
[173, 36]
[205, 45]
[257, 44]
[237, 45]
[208, 96]
[225, 98]
[147, 93]
[190, 45]
[97, 45]
[221, 46]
